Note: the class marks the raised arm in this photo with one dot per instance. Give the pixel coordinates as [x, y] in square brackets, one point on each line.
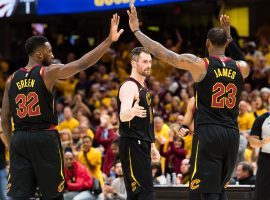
[127, 94]
[59, 71]
[6, 116]
[188, 62]
[234, 50]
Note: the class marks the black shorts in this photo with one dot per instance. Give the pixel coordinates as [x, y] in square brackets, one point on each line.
[262, 187]
[213, 158]
[36, 160]
[135, 156]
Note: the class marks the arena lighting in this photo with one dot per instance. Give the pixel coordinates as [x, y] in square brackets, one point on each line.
[27, 5]
[45, 7]
[9, 8]
[153, 28]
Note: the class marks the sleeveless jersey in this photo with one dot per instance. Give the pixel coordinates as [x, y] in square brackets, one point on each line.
[139, 128]
[32, 105]
[218, 94]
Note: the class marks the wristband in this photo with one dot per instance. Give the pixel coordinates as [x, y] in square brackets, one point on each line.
[136, 31]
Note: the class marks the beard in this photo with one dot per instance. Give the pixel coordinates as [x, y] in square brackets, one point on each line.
[46, 62]
[145, 73]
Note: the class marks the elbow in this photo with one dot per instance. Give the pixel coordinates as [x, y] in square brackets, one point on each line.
[122, 118]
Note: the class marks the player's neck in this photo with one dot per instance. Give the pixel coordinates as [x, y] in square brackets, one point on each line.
[217, 52]
[31, 63]
[138, 77]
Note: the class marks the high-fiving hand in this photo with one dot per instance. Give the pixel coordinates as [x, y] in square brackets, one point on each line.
[114, 33]
[137, 110]
[225, 24]
[133, 18]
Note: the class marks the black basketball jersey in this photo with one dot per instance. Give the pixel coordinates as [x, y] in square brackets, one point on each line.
[139, 128]
[32, 105]
[217, 95]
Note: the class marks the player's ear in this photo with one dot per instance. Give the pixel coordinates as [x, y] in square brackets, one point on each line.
[39, 54]
[226, 44]
[207, 44]
[133, 63]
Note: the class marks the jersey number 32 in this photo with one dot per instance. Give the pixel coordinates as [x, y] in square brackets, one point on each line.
[27, 105]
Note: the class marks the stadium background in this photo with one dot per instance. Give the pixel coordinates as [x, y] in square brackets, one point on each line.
[180, 25]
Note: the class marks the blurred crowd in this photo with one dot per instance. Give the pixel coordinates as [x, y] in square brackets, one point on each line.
[87, 111]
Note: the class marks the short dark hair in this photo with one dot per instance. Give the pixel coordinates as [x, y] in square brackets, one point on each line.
[116, 162]
[116, 141]
[217, 36]
[246, 167]
[137, 51]
[33, 43]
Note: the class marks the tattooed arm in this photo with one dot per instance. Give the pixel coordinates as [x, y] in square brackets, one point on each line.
[190, 62]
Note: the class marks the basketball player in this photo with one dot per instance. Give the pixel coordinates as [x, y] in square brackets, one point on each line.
[219, 82]
[35, 150]
[137, 129]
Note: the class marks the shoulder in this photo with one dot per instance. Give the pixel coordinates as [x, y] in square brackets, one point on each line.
[95, 152]
[129, 88]
[80, 155]
[74, 120]
[79, 166]
[116, 181]
[263, 116]
[129, 85]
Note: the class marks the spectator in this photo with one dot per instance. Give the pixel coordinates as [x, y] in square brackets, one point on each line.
[156, 172]
[258, 107]
[91, 158]
[3, 172]
[66, 138]
[59, 110]
[105, 134]
[245, 119]
[80, 106]
[162, 131]
[83, 83]
[69, 122]
[244, 174]
[174, 155]
[78, 178]
[76, 141]
[185, 170]
[112, 154]
[85, 130]
[117, 191]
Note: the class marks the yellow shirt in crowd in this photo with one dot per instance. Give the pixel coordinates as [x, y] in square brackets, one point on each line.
[245, 121]
[70, 124]
[95, 159]
[165, 133]
[188, 144]
[67, 87]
